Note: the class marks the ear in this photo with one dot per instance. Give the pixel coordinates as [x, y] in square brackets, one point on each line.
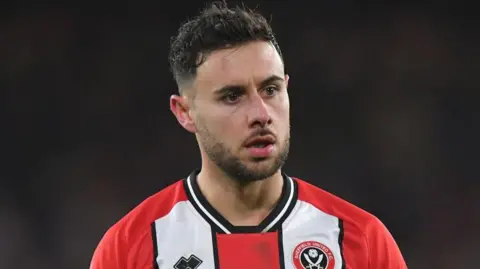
[286, 80]
[182, 110]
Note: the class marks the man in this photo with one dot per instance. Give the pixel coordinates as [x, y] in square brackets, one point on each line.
[240, 211]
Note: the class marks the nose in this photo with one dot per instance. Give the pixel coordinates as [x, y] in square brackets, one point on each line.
[258, 113]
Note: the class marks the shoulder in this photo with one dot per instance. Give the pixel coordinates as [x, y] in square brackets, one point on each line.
[158, 205]
[333, 205]
[355, 221]
[358, 227]
[134, 229]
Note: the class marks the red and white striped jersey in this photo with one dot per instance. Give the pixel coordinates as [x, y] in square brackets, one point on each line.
[309, 228]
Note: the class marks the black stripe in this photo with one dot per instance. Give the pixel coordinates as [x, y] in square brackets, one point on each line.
[155, 247]
[291, 206]
[281, 254]
[215, 248]
[340, 242]
[214, 226]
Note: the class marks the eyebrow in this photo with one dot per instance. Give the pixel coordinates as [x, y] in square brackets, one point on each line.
[239, 88]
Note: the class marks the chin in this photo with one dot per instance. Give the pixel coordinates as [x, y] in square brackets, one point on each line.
[260, 161]
[262, 169]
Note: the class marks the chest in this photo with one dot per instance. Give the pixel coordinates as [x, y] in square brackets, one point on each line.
[306, 240]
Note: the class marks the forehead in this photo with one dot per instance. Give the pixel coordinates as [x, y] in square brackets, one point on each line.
[249, 63]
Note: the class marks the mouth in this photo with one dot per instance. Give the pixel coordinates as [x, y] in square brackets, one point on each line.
[260, 142]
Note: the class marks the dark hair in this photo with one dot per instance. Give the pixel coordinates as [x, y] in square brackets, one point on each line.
[216, 27]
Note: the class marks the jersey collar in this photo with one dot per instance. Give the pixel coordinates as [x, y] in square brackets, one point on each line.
[271, 223]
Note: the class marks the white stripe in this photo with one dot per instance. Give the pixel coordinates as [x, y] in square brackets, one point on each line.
[289, 201]
[309, 223]
[182, 233]
[203, 208]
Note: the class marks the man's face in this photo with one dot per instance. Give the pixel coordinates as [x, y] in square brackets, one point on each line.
[242, 112]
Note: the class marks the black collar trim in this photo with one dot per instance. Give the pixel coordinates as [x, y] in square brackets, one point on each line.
[271, 223]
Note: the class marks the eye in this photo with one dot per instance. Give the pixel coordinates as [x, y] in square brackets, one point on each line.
[231, 97]
[270, 90]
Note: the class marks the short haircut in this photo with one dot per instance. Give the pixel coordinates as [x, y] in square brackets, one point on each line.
[216, 27]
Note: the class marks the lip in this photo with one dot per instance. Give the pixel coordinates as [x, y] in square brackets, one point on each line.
[261, 152]
[266, 139]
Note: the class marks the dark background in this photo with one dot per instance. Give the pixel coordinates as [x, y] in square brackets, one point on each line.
[384, 105]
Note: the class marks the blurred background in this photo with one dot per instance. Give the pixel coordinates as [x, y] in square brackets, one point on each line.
[384, 107]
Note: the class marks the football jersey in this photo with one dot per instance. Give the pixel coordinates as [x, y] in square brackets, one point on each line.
[309, 228]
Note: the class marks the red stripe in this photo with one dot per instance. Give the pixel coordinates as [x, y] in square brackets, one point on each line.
[354, 247]
[241, 251]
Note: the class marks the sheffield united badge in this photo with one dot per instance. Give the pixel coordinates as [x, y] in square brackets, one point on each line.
[313, 255]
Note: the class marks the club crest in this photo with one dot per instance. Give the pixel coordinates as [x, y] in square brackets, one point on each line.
[313, 255]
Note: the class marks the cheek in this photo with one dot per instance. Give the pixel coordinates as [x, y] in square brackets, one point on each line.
[282, 110]
[230, 125]
[282, 113]
[221, 124]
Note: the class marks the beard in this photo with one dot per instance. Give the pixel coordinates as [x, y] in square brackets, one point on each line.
[241, 171]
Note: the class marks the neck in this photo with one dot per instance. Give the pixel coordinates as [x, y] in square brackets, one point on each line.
[241, 204]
